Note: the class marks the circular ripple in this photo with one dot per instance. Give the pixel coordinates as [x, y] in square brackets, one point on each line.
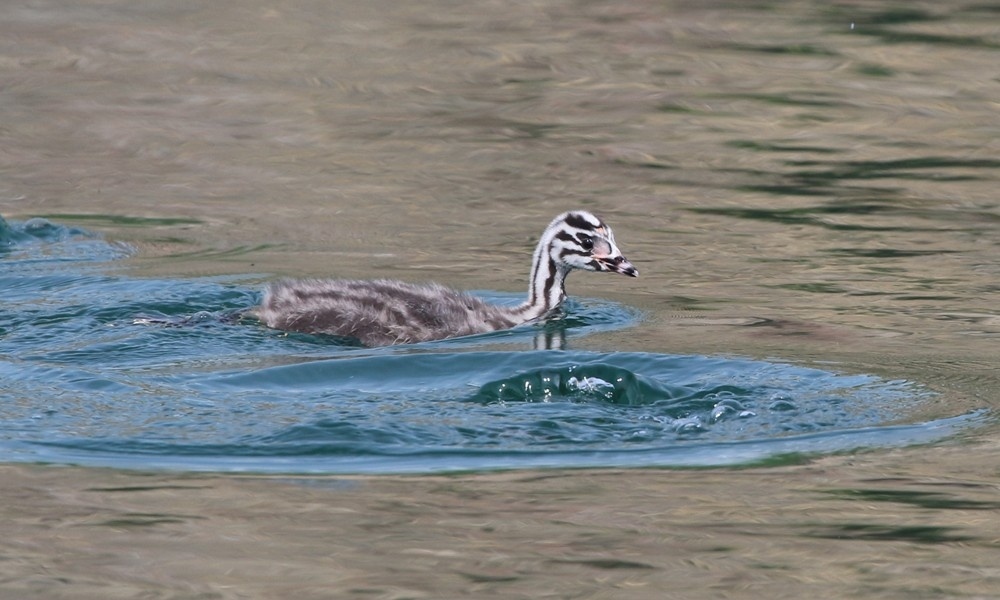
[103, 370]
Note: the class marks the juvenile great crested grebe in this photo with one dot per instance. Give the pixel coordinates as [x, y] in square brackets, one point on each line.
[383, 312]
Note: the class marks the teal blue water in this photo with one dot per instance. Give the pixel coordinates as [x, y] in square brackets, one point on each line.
[99, 368]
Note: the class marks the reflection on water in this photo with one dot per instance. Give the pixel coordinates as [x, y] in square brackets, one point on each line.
[799, 182]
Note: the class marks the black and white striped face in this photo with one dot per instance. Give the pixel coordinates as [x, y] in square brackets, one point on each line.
[580, 240]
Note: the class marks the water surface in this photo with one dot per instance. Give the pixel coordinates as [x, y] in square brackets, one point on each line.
[808, 189]
[105, 369]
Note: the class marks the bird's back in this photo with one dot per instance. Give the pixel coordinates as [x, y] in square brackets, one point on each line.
[379, 312]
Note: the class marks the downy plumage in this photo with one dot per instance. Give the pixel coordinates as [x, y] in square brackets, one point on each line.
[383, 312]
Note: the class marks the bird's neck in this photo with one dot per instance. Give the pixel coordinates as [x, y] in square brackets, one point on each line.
[546, 290]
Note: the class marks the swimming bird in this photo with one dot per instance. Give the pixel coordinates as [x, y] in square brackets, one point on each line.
[384, 312]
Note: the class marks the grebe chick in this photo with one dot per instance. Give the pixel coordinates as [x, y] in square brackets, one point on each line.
[383, 312]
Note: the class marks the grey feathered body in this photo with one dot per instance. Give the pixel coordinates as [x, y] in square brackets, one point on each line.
[379, 312]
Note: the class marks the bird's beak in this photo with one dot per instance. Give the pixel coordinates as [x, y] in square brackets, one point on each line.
[626, 268]
[620, 264]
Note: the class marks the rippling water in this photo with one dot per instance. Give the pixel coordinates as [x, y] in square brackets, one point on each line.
[105, 369]
[808, 188]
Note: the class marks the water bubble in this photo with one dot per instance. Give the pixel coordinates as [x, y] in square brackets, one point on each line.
[729, 405]
[719, 411]
[782, 406]
[691, 424]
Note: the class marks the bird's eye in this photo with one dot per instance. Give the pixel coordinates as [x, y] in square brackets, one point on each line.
[587, 242]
